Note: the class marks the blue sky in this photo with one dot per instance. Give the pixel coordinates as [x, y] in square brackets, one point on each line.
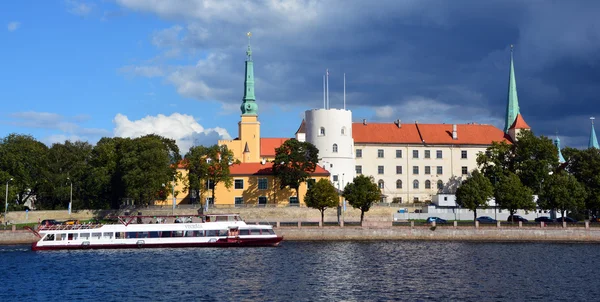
[81, 70]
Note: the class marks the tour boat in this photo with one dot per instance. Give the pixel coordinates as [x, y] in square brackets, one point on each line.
[212, 230]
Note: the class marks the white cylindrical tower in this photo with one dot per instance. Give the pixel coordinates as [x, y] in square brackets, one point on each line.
[330, 130]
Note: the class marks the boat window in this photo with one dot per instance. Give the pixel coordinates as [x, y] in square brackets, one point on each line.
[131, 235]
[223, 232]
[244, 232]
[71, 236]
[96, 235]
[177, 233]
[198, 233]
[84, 236]
[119, 235]
[255, 231]
[153, 235]
[267, 231]
[142, 234]
[270, 231]
[61, 236]
[108, 235]
[49, 237]
[211, 233]
[222, 218]
[165, 234]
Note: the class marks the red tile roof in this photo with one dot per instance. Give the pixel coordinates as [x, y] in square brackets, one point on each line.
[266, 169]
[519, 123]
[390, 133]
[268, 145]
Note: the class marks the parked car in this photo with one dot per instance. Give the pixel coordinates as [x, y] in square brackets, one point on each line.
[48, 222]
[544, 219]
[436, 219]
[486, 219]
[516, 218]
[567, 219]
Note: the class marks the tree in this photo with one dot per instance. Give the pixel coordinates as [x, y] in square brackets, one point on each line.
[294, 161]
[361, 193]
[562, 192]
[220, 158]
[511, 194]
[474, 192]
[197, 166]
[585, 166]
[322, 195]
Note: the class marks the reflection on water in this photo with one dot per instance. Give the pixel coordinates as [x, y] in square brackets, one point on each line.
[307, 271]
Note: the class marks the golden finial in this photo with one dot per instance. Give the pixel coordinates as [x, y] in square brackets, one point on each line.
[249, 34]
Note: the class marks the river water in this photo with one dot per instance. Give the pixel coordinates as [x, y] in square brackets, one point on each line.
[308, 271]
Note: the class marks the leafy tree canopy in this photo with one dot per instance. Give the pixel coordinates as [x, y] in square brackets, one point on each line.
[322, 195]
[361, 193]
[585, 166]
[474, 192]
[294, 162]
[562, 192]
[512, 195]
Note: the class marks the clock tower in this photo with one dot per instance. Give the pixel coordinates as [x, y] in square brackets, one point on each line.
[249, 126]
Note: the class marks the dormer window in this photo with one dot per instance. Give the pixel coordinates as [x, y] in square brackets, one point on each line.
[322, 131]
[335, 148]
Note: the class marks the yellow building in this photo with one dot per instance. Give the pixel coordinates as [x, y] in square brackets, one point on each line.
[253, 181]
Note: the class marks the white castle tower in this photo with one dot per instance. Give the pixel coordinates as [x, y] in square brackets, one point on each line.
[330, 130]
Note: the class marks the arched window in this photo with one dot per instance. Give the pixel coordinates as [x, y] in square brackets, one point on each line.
[415, 184]
[398, 184]
[343, 130]
[427, 184]
[334, 149]
[381, 184]
[440, 185]
[322, 131]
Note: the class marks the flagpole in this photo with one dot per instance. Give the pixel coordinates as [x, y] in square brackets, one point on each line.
[344, 91]
[327, 89]
[324, 103]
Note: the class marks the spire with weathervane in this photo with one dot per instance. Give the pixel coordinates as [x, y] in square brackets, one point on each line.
[593, 139]
[561, 159]
[249, 106]
[512, 108]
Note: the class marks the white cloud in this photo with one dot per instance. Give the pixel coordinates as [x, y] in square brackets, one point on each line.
[12, 26]
[183, 128]
[145, 71]
[78, 8]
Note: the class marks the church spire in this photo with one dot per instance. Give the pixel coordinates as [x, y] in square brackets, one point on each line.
[593, 139]
[561, 159]
[512, 107]
[249, 106]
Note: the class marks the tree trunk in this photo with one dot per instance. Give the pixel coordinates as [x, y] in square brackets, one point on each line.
[474, 214]
[562, 214]
[512, 216]
[362, 215]
[213, 193]
[322, 216]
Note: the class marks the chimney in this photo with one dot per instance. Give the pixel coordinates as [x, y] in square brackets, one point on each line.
[364, 121]
[454, 133]
[397, 122]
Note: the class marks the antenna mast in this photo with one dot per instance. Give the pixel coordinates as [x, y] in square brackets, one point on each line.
[324, 102]
[344, 91]
[327, 88]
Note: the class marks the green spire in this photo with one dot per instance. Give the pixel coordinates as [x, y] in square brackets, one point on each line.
[512, 108]
[249, 106]
[561, 159]
[593, 139]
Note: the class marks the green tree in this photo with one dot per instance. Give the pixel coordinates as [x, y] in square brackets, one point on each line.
[361, 193]
[322, 195]
[512, 195]
[474, 192]
[197, 167]
[585, 166]
[104, 182]
[25, 160]
[220, 158]
[562, 192]
[294, 161]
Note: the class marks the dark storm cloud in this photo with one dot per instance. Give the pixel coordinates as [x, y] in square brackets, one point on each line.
[450, 53]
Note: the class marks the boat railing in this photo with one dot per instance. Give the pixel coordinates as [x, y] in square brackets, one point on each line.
[58, 227]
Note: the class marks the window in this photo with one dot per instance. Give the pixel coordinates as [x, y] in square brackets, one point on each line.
[239, 184]
[398, 153]
[398, 184]
[294, 200]
[262, 184]
[379, 169]
[262, 200]
[398, 169]
[210, 184]
[438, 154]
[343, 131]
[415, 153]
[427, 154]
[358, 169]
[440, 185]
[464, 170]
[322, 131]
[334, 149]
[415, 184]
[358, 153]
[427, 184]
[239, 201]
[380, 153]
[427, 170]
[335, 177]
[415, 199]
[463, 154]
[415, 169]
[439, 170]
[310, 183]
[380, 184]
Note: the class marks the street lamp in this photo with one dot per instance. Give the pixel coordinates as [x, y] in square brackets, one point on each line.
[174, 199]
[71, 196]
[6, 200]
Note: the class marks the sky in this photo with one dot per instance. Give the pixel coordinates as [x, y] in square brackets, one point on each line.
[83, 70]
